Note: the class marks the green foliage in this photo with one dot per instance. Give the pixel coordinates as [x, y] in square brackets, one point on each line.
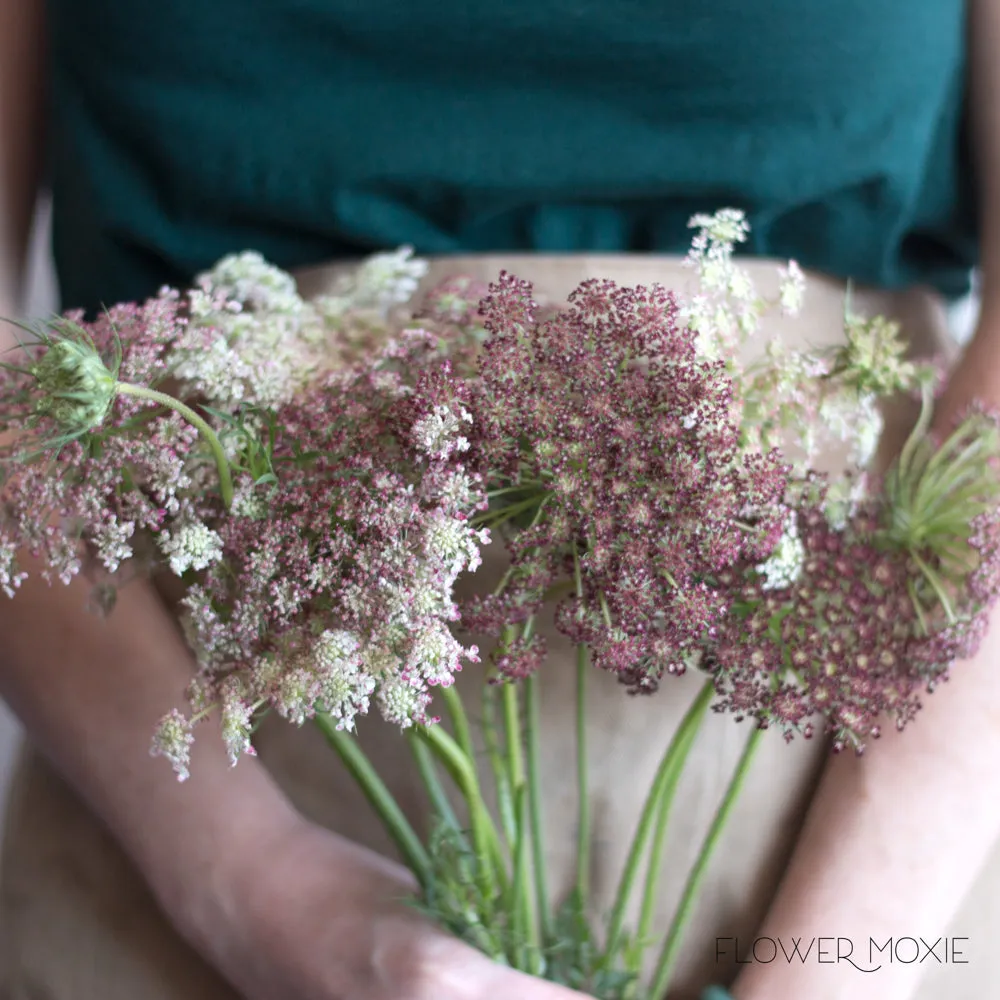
[455, 899]
[577, 960]
[256, 430]
[933, 494]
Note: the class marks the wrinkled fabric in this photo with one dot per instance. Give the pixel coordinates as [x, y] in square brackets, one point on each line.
[314, 129]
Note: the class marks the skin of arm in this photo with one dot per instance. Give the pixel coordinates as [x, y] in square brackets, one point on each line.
[89, 690]
[283, 908]
[894, 840]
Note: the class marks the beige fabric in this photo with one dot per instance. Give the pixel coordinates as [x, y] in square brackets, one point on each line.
[77, 923]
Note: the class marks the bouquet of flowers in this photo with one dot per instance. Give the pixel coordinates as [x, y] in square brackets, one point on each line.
[319, 474]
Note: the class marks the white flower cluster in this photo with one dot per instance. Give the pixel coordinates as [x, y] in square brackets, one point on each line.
[190, 545]
[236, 721]
[438, 434]
[252, 338]
[172, 740]
[803, 401]
[111, 539]
[784, 566]
[380, 283]
[344, 690]
[10, 578]
[453, 545]
[248, 279]
[792, 290]
[727, 308]
[855, 419]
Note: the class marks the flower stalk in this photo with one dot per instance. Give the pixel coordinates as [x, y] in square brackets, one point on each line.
[410, 846]
[534, 753]
[197, 421]
[671, 762]
[675, 935]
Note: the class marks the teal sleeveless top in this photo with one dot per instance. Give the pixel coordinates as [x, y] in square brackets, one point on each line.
[317, 129]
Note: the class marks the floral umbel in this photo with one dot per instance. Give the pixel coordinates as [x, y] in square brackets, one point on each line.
[319, 474]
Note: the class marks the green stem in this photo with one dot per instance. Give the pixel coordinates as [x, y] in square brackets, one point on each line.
[211, 439]
[485, 839]
[521, 910]
[937, 586]
[512, 731]
[432, 784]
[559, 589]
[517, 488]
[674, 755]
[505, 799]
[582, 784]
[492, 518]
[534, 754]
[459, 720]
[381, 799]
[937, 469]
[654, 867]
[672, 942]
[918, 432]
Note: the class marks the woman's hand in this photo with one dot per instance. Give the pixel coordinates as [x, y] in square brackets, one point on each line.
[311, 916]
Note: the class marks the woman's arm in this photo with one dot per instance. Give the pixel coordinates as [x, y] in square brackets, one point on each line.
[285, 910]
[21, 134]
[894, 840]
[90, 691]
[891, 845]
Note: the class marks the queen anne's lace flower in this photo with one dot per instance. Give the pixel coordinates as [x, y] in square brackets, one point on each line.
[111, 539]
[784, 566]
[382, 281]
[439, 433]
[345, 690]
[435, 655]
[793, 288]
[451, 543]
[10, 576]
[173, 740]
[190, 545]
[402, 700]
[619, 445]
[236, 720]
[249, 280]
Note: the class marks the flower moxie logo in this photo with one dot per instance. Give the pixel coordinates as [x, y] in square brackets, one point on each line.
[870, 956]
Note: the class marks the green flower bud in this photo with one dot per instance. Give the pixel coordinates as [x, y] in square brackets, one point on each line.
[873, 359]
[77, 387]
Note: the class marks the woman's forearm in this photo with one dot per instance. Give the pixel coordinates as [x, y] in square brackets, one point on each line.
[894, 840]
[89, 691]
[891, 845]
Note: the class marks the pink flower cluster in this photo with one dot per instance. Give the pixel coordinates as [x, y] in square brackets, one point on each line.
[140, 471]
[356, 545]
[598, 441]
[844, 645]
[619, 444]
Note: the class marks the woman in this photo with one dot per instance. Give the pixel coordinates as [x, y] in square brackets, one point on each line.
[322, 129]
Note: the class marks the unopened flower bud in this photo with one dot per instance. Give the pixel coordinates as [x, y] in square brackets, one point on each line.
[77, 387]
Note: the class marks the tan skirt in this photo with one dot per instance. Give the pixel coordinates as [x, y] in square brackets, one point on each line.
[77, 923]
